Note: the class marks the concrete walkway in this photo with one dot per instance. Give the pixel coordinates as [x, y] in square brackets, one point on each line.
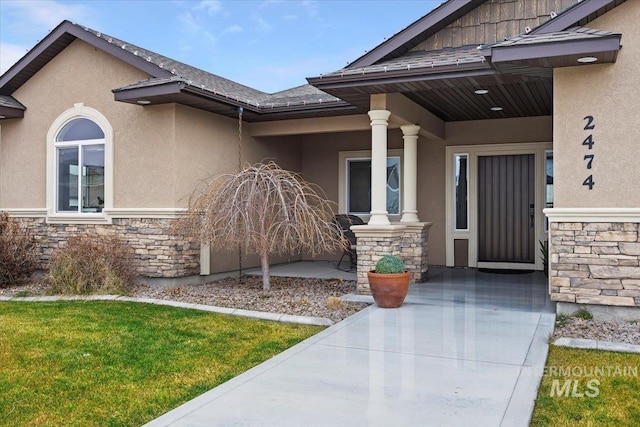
[466, 349]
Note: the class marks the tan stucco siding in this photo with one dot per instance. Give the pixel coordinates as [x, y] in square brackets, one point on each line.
[611, 94]
[207, 145]
[83, 74]
[144, 152]
[320, 162]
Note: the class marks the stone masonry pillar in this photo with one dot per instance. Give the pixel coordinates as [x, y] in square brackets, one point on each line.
[410, 136]
[379, 122]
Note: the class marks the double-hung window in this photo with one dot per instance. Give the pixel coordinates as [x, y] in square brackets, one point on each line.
[80, 167]
[356, 182]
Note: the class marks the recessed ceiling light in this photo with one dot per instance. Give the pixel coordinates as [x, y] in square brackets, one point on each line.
[143, 102]
[481, 92]
[587, 59]
[496, 108]
[2, 117]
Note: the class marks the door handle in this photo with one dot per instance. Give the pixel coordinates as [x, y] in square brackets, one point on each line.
[532, 216]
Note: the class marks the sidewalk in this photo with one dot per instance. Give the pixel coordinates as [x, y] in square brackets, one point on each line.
[466, 348]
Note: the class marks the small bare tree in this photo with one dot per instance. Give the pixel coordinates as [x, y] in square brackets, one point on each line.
[265, 210]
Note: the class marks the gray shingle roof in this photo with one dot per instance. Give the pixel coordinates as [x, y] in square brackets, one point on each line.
[419, 59]
[575, 33]
[213, 83]
[10, 102]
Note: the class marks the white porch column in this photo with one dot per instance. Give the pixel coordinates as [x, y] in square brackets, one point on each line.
[410, 182]
[379, 122]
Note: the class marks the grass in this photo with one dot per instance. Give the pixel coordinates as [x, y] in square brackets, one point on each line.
[121, 364]
[617, 402]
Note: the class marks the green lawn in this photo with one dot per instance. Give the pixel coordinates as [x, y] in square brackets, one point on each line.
[121, 364]
[614, 389]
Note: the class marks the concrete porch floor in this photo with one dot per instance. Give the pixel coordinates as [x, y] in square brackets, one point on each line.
[467, 348]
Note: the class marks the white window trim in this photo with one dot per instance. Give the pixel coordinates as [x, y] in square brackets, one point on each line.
[455, 229]
[343, 157]
[79, 111]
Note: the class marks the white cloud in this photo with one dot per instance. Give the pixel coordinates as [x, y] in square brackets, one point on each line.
[311, 7]
[210, 6]
[9, 55]
[29, 21]
[38, 16]
[194, 25]
[262, 25]
[233, 29]
[290, 17]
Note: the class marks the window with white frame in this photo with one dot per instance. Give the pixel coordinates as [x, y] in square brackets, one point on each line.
[548, 187]
[358, 185]
[80, 167]
[461, 191]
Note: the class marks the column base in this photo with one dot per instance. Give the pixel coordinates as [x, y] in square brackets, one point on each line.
[409, 241]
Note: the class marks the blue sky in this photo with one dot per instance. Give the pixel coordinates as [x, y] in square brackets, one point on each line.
[269, 45]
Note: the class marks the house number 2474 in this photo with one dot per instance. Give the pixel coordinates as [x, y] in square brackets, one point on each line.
[589, 143]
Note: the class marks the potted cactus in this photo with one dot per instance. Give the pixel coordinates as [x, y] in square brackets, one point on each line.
[389, 282]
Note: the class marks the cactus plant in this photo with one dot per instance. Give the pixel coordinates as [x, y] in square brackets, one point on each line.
[389, 264]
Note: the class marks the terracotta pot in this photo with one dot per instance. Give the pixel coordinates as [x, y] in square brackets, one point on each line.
[389, 290]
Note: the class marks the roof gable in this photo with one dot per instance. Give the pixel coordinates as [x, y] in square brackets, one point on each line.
[416, 32]
[494, 21]
[458, 23]
[56, 41]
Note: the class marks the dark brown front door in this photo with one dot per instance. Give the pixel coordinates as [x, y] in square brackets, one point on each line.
[506, 209]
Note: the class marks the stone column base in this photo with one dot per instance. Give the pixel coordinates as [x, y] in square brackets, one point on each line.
[407, 241]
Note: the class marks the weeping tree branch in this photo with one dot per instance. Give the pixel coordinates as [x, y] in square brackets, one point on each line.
[265, 210]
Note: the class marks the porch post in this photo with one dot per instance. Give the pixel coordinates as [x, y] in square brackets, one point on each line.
[379, 122]
[410, 137]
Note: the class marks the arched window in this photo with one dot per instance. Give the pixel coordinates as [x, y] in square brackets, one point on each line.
[80, 167]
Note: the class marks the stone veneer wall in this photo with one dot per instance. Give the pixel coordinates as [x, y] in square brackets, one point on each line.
[595, 263]
[370, 249]
[157, 253]
[409, 242]
[414, 250]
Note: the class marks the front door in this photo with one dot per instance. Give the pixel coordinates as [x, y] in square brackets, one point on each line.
[506, 210]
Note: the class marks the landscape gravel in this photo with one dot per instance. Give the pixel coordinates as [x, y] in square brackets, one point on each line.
[317, 298]
[295, 296]
[620, 331]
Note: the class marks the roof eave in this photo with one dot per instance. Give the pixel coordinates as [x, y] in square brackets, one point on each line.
[135, 94]
[154, 93]
[557, 50]
[266, 108]
[11, 113]
[386, 77]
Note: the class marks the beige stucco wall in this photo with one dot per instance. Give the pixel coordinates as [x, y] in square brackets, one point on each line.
[83, 74]
[206, 145]
[320, 161]
[611, 94]
[161, 152]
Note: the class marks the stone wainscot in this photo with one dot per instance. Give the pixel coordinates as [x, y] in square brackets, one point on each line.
[595, 263]
[157, 252]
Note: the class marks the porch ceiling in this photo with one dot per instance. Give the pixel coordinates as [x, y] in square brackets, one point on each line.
[453, 99]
